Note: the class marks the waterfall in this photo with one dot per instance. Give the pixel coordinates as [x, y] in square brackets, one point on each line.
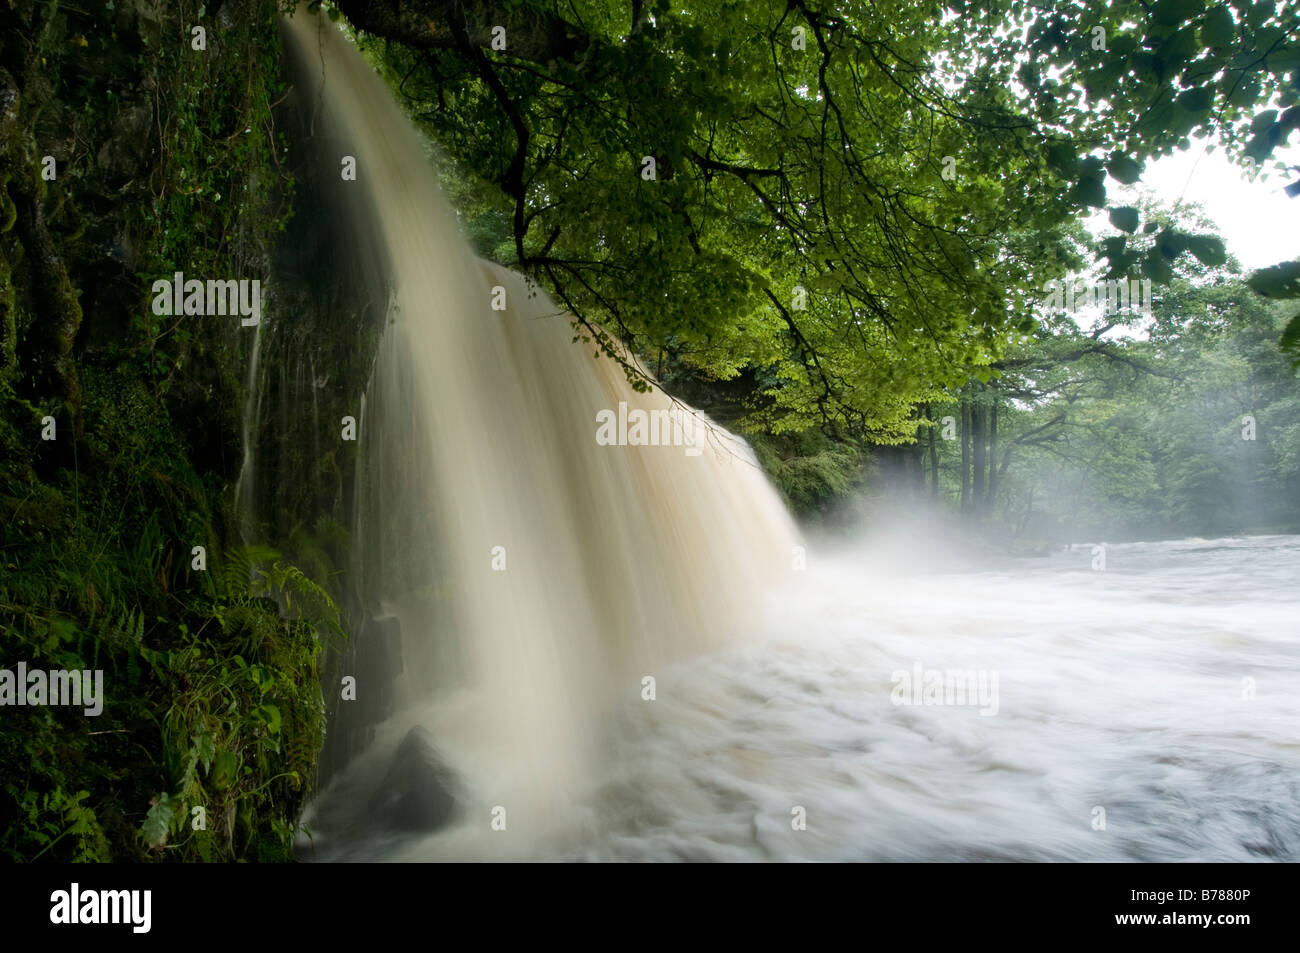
[519, 576]
[245, 490]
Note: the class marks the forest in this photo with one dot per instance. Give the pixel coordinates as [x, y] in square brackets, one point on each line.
[841, 229]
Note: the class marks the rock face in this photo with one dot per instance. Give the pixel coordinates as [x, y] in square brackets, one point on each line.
[127, 151]
[374, 657]
[125, 156]
[419, 791]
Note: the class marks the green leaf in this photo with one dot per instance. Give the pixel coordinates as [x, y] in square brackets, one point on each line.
[1124, 169]
[1262, 144]
[1124, 44]
[1290, 340]
[224, 767]
[1120, 265]
[1258, 12]
[1277, 281]
[158, 820]
[1284, 59]
[270, 715]
[1263, 121]
[206, 749]
[262, 677]
[1125, 218]
[1174, 12]
[1208, 249]
[1240, 91]
[1179, 48]
[1113, 247]
[1090, 192]
[1156, 268]
[1092, 168]
[1062, 159]
[1218, 30]
[1156, 119]
[1197, 99]
[1170, 244]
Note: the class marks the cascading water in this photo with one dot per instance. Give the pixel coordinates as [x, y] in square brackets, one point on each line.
[527, 576]
[519, 579]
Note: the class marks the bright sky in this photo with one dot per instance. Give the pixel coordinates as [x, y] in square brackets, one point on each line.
[1256, 219]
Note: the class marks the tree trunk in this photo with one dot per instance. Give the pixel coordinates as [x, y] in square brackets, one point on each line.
[978, 419]
[991, 493]
[934, 457]
[965, 455]
[917, 452]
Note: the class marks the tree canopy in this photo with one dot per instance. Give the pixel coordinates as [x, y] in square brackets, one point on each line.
[858, 204]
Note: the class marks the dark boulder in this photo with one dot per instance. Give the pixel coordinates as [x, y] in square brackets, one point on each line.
[419, 791]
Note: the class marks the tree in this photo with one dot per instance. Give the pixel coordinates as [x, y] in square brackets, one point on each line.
[1132, 79]
[791, 186]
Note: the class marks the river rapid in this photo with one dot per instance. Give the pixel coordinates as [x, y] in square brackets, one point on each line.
[902, 705]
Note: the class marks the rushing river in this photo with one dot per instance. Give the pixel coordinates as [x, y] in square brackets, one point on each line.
[576, 644]
[1149, 711]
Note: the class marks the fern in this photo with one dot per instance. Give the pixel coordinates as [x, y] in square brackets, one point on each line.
[303, 597]
[241, 570]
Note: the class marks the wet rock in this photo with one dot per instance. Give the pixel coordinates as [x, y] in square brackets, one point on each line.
[8, 103]
[419, 791]
[148, 22]
[124, 155]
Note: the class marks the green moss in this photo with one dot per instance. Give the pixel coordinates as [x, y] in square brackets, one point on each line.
[211, 675]
[8, 211]
[8, 319]
[811, 471]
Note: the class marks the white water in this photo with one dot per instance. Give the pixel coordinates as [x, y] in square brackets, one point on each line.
[1120, 690]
